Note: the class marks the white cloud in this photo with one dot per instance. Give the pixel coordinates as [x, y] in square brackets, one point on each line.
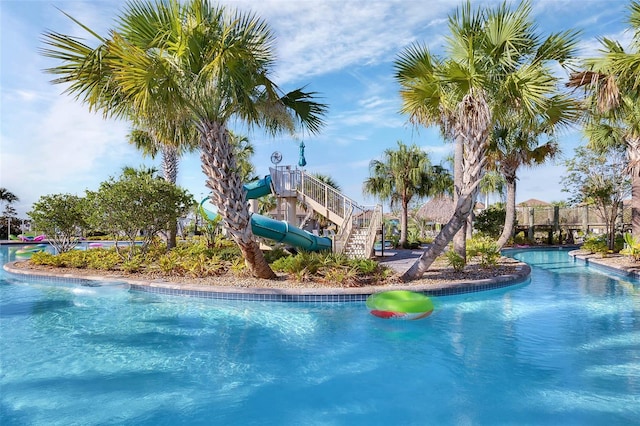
[66, 147]
[316, 38]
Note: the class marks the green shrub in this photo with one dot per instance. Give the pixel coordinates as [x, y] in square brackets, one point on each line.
[619, 243]
[596, 244]
[302, 262]
[135, 264]
[340, 275]
[203, 265]
[198, 260]
[171, 263]
[490, 221]
[229, 253]
[632, 248]
[456, 261]
[238, 266]
[520, 238]
[45, 258]
[103, 259]
[75, 259]
[274, 254]
[484, 248]
[365, 266]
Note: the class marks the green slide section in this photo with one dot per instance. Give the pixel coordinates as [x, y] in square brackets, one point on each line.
[282, 232]
[272, 229]
[258, 188]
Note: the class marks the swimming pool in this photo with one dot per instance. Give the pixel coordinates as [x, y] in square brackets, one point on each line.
[563, 348]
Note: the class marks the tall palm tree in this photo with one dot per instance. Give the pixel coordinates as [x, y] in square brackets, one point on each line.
[496, 63]
[403, 174]
[152, 142]
[515, 143]
[7, 196]
[612, 80]
[197, 59]
[243, 150]
[492, 183]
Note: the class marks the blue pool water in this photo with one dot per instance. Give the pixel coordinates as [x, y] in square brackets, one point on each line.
[563, 348]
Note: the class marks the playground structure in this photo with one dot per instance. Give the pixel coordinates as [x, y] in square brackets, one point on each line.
[357, 225]
[566, 221]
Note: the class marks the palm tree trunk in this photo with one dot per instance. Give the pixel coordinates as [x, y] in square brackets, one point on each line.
[228, 195]
[510, 216]
[633, 152]
[472, 122]
[463, 209]
[170, 170]
[404, 219]
[635, 205]
[460, 239]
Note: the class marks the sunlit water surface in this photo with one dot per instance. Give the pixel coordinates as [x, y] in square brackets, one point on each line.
[563, 348]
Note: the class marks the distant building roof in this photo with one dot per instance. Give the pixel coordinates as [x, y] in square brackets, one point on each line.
[532, 202]
[440, 209]
[437, 209]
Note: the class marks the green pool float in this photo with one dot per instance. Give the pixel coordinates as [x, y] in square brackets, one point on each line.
[400, 304]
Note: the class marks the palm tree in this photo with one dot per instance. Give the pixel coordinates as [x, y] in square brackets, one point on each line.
[612, 81]
[403, 174]
[496, 63]
[8, 212]
[7, 196]
[150, 142]
[243, 150]
[197, 59]
[492, 183]
[515, 143]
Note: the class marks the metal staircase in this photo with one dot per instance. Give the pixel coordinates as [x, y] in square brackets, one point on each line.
[357, 224]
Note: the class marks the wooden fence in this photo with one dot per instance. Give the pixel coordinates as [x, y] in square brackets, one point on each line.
[566, 220]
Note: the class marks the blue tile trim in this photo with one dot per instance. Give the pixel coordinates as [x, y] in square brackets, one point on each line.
[278, 296]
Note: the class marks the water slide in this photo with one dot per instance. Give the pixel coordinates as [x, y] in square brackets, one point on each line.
[272, 229]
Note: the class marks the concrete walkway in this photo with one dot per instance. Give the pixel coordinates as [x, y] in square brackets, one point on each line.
[398, 259]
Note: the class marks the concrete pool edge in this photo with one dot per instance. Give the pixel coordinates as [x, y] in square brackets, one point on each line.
[602, 264]
[300, 294]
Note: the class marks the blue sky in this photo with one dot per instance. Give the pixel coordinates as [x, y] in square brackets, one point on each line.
[343, 49]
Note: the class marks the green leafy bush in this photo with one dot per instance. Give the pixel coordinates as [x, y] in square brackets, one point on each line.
[45, 258]
[135, 264]
[75, 259]
[198, 260]
[596, 244]
[275, 254]
[302, 262]
[490, 221]
[632, 248]
[456, 261]
[484, 248]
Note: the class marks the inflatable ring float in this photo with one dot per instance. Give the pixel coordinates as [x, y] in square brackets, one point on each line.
[27, 251]
[400, 304]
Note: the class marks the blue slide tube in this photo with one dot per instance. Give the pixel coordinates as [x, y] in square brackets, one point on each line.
[272, 229]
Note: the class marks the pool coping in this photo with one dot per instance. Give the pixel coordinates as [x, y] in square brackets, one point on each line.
[590, 260]
[301, 294]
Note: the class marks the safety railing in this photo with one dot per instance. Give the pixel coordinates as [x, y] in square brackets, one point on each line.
[374, 224]
[341, 238]
[331, 203]
[289, 182]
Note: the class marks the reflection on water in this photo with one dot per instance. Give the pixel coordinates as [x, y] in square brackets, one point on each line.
[562, 348]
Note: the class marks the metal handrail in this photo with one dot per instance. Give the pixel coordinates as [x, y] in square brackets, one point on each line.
[288, 181]
[374, 224]
[340, 241]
